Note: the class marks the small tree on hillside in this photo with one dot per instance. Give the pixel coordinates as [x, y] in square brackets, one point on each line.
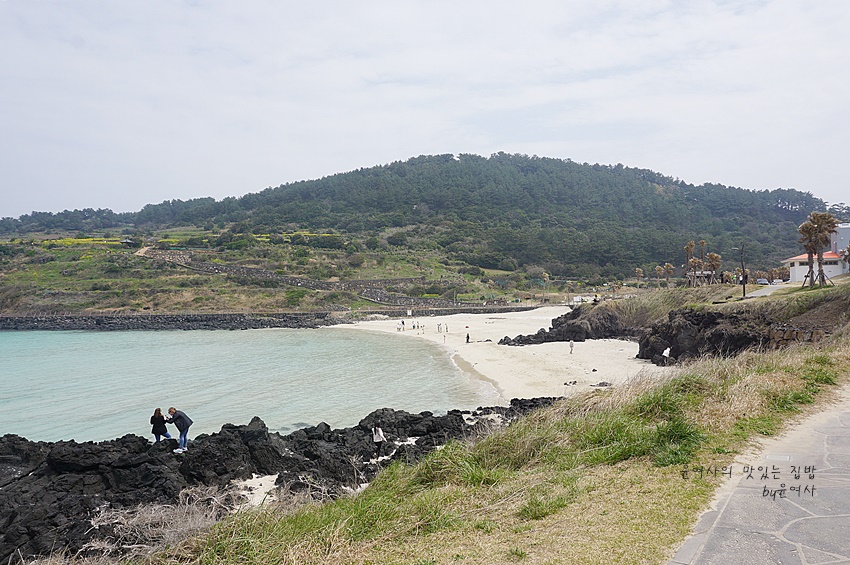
[713, 261]
[689, 255]
[669, 269]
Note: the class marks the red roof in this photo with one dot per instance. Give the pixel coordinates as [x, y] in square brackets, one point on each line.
[805, 256]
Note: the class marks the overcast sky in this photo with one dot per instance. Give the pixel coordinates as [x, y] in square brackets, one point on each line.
[117, 104]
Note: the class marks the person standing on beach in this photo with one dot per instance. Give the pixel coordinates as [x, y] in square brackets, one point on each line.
[182, 421]
[158, 425]
[571, 346]
[378, 438]
[467, 338]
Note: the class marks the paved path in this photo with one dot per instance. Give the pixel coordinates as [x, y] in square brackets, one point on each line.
[767, 290]
[766, 520]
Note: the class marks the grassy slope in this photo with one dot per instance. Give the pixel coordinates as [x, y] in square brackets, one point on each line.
[90, 276]
[80, 276]
[594, 479]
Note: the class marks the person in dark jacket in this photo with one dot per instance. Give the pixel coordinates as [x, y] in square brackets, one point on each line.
[182, 421]
[158, 423]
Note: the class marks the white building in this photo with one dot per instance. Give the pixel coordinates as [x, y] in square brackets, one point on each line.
[841, 239]
[835, 261]
[798, 266]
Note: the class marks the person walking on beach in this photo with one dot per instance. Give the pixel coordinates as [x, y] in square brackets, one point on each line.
[378, 438]
[571, 346]
[182, 421]
[467, 338]
[158, 425]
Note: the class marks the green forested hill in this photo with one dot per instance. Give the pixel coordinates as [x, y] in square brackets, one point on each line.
[499, 212]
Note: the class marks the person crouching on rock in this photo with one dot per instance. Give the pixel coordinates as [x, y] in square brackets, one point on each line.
[158, 423]
[378, 438]
[182, 421]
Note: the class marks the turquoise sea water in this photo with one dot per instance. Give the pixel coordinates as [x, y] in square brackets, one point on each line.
[92, 386]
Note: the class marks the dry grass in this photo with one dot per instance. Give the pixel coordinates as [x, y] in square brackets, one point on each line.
[611, 511]
[138, 534]
[645, 309]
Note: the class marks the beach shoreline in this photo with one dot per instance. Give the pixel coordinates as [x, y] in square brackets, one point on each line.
[531, 371]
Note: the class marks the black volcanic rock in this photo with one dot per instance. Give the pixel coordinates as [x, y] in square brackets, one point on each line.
[19, 456]
[691, 333]
[49, 491]
[166, 321]
[586, 321]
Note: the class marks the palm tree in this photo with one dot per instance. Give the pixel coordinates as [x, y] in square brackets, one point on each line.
[689, 254]
[713, 261]
[669, 270]
[825, 224]
[639, 275]
[659, 272]
[695, 265]
[702, 244]
[808, 237]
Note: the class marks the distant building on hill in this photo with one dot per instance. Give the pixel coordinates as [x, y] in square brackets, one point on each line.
[798, 266]
[841, 239]
[834, 260]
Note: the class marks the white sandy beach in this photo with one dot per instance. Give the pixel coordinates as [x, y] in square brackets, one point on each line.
[521, 372]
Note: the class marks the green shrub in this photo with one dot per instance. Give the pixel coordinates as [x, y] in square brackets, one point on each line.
[293, 297]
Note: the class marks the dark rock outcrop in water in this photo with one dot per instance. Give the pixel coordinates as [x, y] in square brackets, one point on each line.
[48, 491]
[691, 333]
[586, 321]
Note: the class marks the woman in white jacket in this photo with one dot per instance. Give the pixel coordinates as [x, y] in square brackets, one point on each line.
[378, 437]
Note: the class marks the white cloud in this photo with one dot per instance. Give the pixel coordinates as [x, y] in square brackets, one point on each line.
[117, 105]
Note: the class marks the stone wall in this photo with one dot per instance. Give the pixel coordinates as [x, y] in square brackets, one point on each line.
[782, 335]
[167, 321]
[370, 289]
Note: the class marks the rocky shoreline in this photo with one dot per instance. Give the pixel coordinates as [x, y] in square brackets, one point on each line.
[125, 322]
[49, 491]
[296, 320]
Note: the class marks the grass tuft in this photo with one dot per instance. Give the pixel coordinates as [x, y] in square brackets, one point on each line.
[540, 506]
